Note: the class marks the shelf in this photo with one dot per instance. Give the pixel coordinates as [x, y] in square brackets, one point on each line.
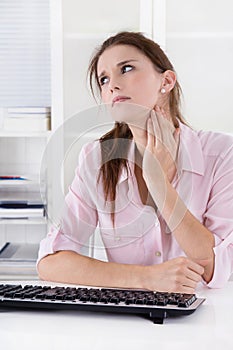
[18, 183]
[34, 221]
[25, 134]
[29, 181]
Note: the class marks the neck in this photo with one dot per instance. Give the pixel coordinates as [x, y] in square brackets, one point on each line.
[140, 139]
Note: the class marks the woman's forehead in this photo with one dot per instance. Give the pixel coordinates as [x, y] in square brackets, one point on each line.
[113, 55]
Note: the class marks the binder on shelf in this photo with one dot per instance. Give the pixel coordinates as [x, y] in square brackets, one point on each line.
[21, 204]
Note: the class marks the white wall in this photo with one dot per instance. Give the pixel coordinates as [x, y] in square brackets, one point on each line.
[199, 42]
[85, 25]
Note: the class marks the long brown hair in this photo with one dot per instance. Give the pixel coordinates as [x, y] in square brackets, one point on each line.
[114, 155]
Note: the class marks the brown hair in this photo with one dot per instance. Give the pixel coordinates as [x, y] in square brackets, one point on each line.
[114, 155]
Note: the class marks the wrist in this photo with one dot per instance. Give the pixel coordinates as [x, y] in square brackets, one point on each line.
[148, 277]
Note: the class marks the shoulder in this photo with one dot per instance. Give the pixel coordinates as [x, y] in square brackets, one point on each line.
[216, 143]
[209, 143]
[90, 155]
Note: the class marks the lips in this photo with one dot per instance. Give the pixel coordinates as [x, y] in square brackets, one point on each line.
[119, 99]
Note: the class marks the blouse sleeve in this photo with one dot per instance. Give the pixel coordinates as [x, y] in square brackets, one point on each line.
[79, 218]
[218, 219]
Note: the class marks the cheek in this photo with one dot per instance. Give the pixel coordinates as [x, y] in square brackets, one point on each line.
[148, 92]
[104, 96]
[148, 98]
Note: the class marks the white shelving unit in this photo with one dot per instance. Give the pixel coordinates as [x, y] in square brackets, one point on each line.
[25, 82]
[20, 154]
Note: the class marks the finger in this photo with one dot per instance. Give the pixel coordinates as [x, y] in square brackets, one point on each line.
[176, 137]
[156, 126]
[166, 123]
[166, 126]
[157, 110]
[150, 133]
[187, 290]
[158, 121]
[193, 276]
[196, 267]
[189, 283]
[161, 112]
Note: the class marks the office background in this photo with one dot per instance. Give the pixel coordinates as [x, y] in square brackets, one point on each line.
[197, 36]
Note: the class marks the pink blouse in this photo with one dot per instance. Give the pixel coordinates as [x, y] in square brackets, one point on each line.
[140, 235]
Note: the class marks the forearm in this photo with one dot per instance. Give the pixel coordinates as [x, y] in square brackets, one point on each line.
[179, 275]
[195, 240]
[70, 267]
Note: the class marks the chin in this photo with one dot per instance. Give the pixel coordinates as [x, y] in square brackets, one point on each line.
[130, 113]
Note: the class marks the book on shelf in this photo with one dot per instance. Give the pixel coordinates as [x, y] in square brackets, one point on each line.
[25, 205]
[18, 258]
[21, 202]
[13, 180]
[20, 181]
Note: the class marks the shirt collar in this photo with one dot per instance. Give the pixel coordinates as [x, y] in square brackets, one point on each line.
[190, 155]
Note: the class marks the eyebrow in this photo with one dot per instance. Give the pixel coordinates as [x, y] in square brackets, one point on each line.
[118, 65]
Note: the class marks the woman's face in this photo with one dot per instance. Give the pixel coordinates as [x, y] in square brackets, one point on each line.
[126, 75]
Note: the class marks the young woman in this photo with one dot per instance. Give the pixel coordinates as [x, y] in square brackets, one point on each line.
[160, 192]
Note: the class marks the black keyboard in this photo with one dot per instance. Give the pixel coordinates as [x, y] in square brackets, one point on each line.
[155, 305]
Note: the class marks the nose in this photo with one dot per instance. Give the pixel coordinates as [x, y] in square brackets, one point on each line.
[114, 84]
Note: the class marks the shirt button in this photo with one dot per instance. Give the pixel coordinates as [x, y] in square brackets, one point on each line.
[158, 253]
[117, 238]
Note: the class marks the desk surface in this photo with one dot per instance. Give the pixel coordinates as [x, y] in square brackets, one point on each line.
[209, 327]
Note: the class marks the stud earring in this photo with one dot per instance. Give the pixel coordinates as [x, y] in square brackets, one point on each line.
[162, 91]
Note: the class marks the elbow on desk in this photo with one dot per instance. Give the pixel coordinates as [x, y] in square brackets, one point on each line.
[59, 267]
[48, 268]
[43, 268]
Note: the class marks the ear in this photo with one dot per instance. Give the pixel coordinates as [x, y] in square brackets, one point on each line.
[169, 80]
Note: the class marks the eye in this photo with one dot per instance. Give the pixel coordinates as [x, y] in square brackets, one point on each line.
[126, 68]
[103, 80]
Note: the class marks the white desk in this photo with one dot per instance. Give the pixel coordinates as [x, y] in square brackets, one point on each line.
[209, 327]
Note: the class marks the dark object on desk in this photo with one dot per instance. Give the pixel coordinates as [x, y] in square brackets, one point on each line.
[18, 259]
[155, 305]
[18, 252]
